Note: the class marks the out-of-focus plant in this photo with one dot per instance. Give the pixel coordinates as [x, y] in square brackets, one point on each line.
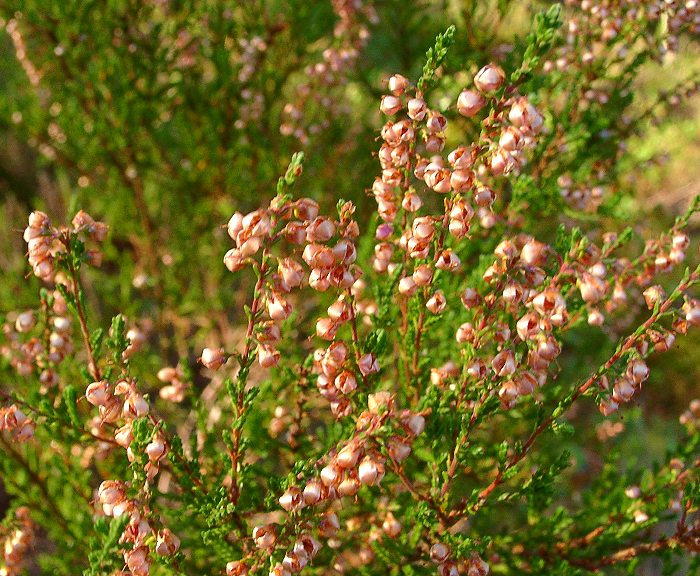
[434, 385]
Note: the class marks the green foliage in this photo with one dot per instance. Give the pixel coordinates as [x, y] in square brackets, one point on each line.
[163, 119]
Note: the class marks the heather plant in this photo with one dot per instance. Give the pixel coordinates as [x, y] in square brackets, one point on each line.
[442, 376]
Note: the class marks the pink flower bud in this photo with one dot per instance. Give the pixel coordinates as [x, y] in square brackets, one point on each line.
[398, 84]
[277, 307]
[331, 475]
[415, 424]
[470, 298]
[265, 536]
[124, 435]
[508, 394]
[344, 252]
[268, 356]
[436, 122]
[138, 561]
[411, 202]
[292, 499]
[407, 286]
[346, 382]
[654, 295]
[167, 543]
[290, 272]
[294, 562]
[524, 115]
[448, 260]
[465, 333]
[38, 219]
[135, 406]
[349, 455]
[511, 139]
[503, 363]
[156, 449]
[533, 253]
[608, 407]
[469, 103]
[328, 524]
[307, 544]
[595, 317]
[637, 371]
[295, 233]
[98, 393]
[318, 279]
[306, 209]
[321, 229]
[391, 526]
[439, 552]
[390, 105]
[213, 358]
[326, 328]
[349, 486]
[368, 364]
[237, 568]
[623, 390]
[477, 370]
[370, 471]
[313, 492]
[489, 78]
[417, 109]
[25, 321]
[398, 449]
[437, 302]
[111, 492]
[111, 410]
[379, 402]
[234, 260]
[592, 288]
[461, 158]
[235, 225]
[477, 567]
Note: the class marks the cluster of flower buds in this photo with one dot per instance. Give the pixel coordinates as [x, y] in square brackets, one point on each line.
[305, 548]
[18, 543]
[580, 196]
[336, 378]
[337, 62]
[516, 278]
[358, 462]
[624, 387]
[691, 417]
[40, 237]
[525, 123]
[440, 554]
[114, 410]
[112, 496]
[13, 420]
[251, 51]
[43, 242]
[249, 232]
[31, 356]
[175, 384]
[329, 251]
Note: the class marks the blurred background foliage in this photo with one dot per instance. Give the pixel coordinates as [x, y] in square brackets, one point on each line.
[162, 118]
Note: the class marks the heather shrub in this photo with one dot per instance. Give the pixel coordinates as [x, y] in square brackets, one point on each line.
[305, 314]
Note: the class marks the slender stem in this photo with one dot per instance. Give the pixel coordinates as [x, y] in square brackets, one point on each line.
[355, 337]
[75, 288]
[245, 362]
